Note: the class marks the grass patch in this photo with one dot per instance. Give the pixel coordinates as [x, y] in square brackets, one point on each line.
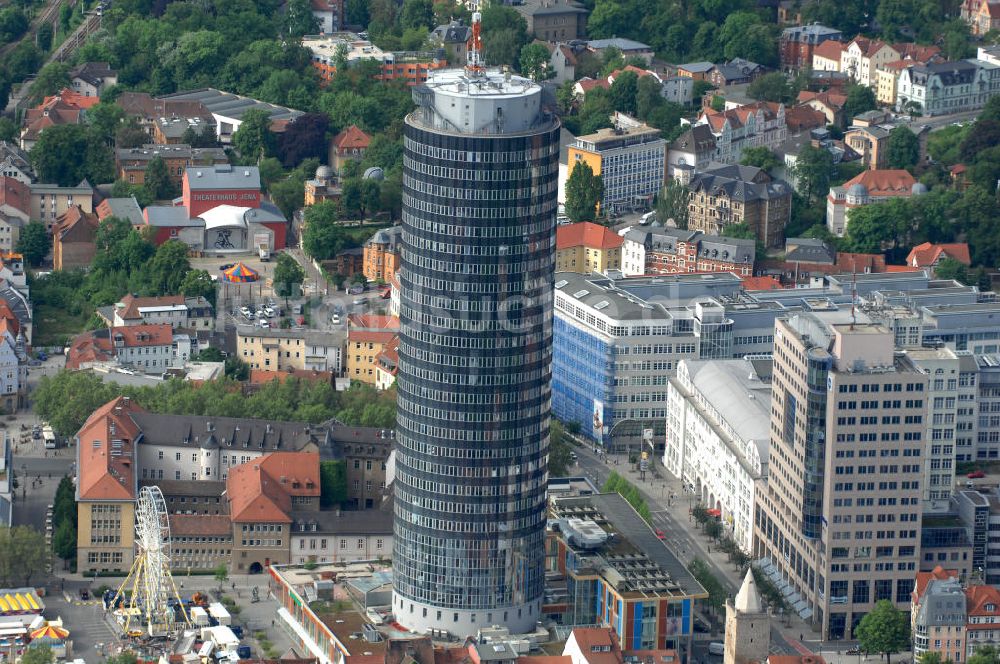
[56, 326]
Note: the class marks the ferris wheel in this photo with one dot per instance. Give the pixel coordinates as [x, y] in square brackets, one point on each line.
[145, 594]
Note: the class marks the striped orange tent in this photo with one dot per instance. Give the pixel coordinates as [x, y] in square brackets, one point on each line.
[50, 632]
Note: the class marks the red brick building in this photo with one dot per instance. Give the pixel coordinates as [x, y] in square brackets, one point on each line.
[798, 43]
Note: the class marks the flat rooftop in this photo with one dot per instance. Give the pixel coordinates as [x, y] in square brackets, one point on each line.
[633, 558]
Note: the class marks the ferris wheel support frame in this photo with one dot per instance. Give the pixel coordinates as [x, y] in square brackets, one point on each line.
[149, 578]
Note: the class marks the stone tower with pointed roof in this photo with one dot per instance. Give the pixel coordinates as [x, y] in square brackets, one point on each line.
[748, 627]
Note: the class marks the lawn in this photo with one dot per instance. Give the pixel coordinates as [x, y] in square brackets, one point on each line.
[54, 326]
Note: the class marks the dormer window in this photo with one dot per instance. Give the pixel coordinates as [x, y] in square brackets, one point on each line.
[991, 607]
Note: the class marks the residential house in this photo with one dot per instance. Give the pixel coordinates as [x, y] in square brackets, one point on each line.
[830, 104]
[74, 239]
[887, 81]
[657, 250]
[282, 350]
[627, 47]
[986, 17]
[723, 194]
[869, 141]
[698, 71]
[797, 44]
[587, 247]
[15, 205]
[694, 149]
[989, 54]
[347, 262]
[453, 37]
[90, 79]
[50, 201]
[808, 259]
[799, 119]
[735, 72]
[951, 619]
[177, 311]
[928, 255]
[630, 158]
[761, 124]
[131, 163]
[13, 366]
[947, 87]
[146, 348]
[367, 336]
[123, 208]
[349, 144]
[554, 20]
[867, 188]
[678, 89]
[382, 254]
[387, 365]
[15, 163]
[827, 56]
[330, 14]
[66, 107]
[862, 57]
[562, 62]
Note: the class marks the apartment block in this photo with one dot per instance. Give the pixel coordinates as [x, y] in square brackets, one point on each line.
[947, 87]
[839, 523]
[587, 247]
[631, 162]
[133, 162]
[658, 250]
[761, 124]
[367, 336]
[282, 350]
[797, 44]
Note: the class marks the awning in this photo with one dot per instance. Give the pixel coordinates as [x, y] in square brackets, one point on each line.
[806, 614]
[800, 606]
[715, 513]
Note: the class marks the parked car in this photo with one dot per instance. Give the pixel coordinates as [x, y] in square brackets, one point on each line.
[226, 266]
[335, 319]
[269, 311]
[660, 534]
[356, 289]
[84, 593]
[360, 300]
[976, 474]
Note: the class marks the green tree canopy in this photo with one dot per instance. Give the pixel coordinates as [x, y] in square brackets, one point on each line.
[771, 87]
[903, 148]
[672, 203]
[38, 654]
[22, 556]
[332, 483]
[813, 170]
[534, 62]
[884, 629]
[560, 461]
[322, 238]
[623, 92]
[288, 275]
[761, 157]
[158, 182]
[34, 243]
[860, 98]
[505, 32]
[254, 140]
[67, 154]
[584, 192]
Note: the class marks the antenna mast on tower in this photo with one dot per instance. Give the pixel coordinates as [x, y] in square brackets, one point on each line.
[474, 47]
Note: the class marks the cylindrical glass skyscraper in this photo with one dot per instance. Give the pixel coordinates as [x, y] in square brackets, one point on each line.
[478, 250]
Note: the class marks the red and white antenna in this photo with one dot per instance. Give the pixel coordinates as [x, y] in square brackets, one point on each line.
[474, 47]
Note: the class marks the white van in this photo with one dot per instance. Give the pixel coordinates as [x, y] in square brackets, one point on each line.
[647, 218]
[716, 648]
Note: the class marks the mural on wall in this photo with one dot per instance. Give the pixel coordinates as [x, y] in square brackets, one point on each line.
[226, 238]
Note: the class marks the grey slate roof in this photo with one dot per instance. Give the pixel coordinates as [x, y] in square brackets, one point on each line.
[453, 33]
[346, 522]
[126, 208]
[196, 431]
[701, 67]
[228, 105]
[736, 183]
[165, 215]
[620, 43]
[539, 8]
[187, 487]
[223, 176]
[92, 72]
[809, 250]
[697, 139]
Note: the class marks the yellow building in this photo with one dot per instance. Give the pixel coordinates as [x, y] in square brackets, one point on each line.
[272, 349]
[587, 247]
[630, 158]
[106, 489]
[886, 79]
[367, 336]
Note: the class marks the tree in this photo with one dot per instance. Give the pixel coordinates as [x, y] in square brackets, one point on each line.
[623, 92]
[299, 19]
[23, 555]
[871, 228]
[157, 180]
[860, 99]
[198, 283]
[288, 275]
[584, 192]
[672, 203]
[166, 271]
[903, 148]
[984, 655]
[34, 243]
[322, 238]
[221, 574]
[534, 62]
[52, 78]
[761, 157]
[44, 36]
[64, 541]
[303, 138]
[332, 483]
[560, 450]
[211, 354]
[92, 158]
[65, 15]
[504, 33]
[770, 87]
[813, 170]
[359, 197]
[884, 630]
[254, 140]
[237, 369]
[67, 399]
[949, 268]
[130, 135]
[38, 654]
[9, 130]
[417, 14]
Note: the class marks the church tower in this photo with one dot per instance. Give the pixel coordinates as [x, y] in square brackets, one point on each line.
[748, 627]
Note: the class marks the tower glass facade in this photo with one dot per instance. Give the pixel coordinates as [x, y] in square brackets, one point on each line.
[478, 252]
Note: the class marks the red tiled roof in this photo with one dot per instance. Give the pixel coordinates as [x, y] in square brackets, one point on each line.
[69, 219]
[977, 599]
[884, 182]
[373, 322]
[129, 306]
[352, 138]
[802, 118]
[848, 262]
[927, 254]
[72, 99]
[760, 283]
[388, 357]
[588, 84]
[897, 65]
[958, 169]
[593, 640]
[16, 194]
[923, 578]
[830, 49]
[262, 489]
[737, 117]
[832, 99]
[87, 348]
[587, 234]
[917, 52]
[138, 336]
[106, 471]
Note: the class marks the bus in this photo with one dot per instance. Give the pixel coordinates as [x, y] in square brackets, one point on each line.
[49, 437]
